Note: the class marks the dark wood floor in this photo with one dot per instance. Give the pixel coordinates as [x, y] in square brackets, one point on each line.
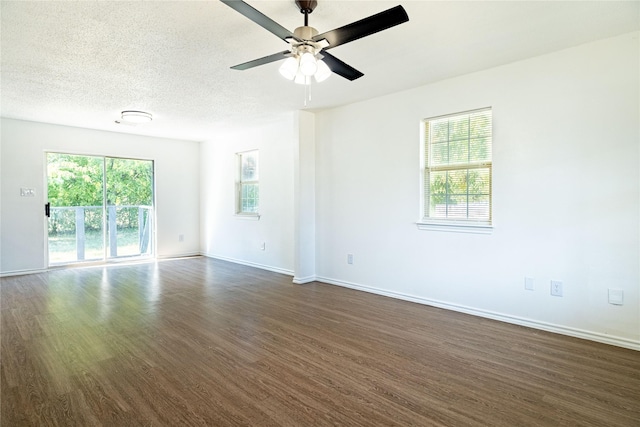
[205, 342]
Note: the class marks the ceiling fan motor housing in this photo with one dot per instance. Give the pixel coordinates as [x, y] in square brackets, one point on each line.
[306, 6]
[305, 33]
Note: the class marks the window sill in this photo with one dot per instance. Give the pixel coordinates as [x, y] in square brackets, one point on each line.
[248, 217]
[455, 227]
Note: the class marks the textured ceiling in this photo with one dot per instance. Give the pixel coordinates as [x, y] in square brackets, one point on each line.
[80, 63]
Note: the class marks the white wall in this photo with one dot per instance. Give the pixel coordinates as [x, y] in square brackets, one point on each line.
[22, 221]
[304, 183]
[566, 194]
[228, 236]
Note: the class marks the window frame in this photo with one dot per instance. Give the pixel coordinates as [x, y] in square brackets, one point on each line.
[467, 225]
[241, 183]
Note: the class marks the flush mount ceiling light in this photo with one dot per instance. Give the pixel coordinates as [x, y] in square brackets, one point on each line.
[137, 117]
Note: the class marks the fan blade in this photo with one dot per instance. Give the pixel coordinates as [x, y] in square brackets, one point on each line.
[261, 61]
[340, 68]
[260, 18]
[365, 27]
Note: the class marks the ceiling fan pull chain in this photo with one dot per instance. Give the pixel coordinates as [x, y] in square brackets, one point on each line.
[306, 94]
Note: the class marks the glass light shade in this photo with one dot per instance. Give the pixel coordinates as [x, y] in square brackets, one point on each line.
[301, 79]
[308, 65]
[289, 68]
[323, 72]
[136, 116]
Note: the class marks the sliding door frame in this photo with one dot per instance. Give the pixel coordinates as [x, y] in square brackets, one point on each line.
[105, 257]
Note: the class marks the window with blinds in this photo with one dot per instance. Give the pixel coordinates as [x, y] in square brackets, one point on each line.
[248, 194]
[457, 172]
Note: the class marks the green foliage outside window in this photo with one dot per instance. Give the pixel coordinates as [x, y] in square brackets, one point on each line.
[75, 180]
[458, 166]
[248, 185]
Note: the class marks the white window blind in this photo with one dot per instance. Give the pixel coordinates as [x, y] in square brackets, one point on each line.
[457, 175]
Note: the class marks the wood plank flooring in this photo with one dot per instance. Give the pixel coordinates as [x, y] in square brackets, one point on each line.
[205, 342]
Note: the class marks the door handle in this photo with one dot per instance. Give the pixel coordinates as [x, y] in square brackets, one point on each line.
[47, 210]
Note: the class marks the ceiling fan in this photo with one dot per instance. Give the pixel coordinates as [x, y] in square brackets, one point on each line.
[307, 55]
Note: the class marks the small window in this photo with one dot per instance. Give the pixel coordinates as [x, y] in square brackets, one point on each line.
[248, 187]
[457, 168]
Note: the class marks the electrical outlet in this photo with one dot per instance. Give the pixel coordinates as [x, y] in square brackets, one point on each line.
[528, 283]
[180, 237]
[349, 258]
[263, 246]
[556, 288]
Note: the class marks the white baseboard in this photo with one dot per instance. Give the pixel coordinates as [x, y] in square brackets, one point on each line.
[303, 280]
[250, 264]
[23, 272]
[177, 256]
[535, 324]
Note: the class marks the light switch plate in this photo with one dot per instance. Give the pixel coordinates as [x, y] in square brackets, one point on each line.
[27, 192]
[616, 296]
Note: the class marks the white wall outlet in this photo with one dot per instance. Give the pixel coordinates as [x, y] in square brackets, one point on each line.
[556, 288]
[263, 246]
[528, 283]
[349, 258]
[27, 192]
[180, 237]
[616, 296]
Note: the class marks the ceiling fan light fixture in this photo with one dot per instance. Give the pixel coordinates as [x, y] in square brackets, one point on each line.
[301, 79]
[304, 64]
[138, 117]
[308, 64]
[323, 72]
[289, 68]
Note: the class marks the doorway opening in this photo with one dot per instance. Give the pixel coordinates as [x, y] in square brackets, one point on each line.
[99, 208]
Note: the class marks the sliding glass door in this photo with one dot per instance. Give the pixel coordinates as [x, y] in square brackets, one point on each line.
[129, 201]
[99, 208]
